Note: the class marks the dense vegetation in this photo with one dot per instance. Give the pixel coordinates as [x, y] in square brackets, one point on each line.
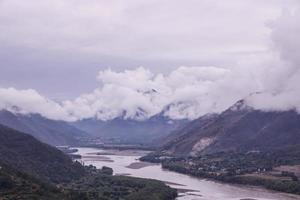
[31, 170]
[24, 152]
[15, 184]
[96, 185]
[99, 184]
[253, 168]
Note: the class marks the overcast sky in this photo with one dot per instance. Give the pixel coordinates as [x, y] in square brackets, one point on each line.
[64, 48]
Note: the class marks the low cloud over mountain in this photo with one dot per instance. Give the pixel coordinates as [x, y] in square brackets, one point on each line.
[268, 81]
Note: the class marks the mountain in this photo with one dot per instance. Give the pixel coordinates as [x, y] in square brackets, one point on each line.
[30, 169]
[130, 131]
[46, 130]
[239, 128]
[25, 153]
[184, 130]
[17, 185]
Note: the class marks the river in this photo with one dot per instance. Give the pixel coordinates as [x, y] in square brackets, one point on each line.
[190, 188]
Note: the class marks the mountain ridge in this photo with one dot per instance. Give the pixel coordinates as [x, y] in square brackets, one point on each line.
[239, 128]
[22, 151]
[121, 130]
[52, 132]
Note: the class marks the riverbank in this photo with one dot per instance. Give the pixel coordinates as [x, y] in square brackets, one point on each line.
[188, 188]
[102, 184]
[255, 169]
[281, 184]
[120, 147]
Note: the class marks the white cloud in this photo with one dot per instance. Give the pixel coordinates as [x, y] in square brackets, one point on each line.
[30, 101]
[135, 93]
[140, 94]
[282, 89]
[185, 92]
[154, 29]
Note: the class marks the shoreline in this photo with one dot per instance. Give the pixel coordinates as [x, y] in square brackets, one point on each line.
[233, 182]
[139, 165]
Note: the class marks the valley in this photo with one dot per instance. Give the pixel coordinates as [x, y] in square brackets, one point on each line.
[273, 170]
[238, 146]
[189, 188]
[149, 100]
[30, 169]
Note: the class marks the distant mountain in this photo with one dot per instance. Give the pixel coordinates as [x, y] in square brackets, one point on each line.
[46, 130]
[239, 128]
[121, 130]
[25, 153]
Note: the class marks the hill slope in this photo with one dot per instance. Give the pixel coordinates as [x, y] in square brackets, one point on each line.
[49, 131]
[17, 185]
[30, 169]
[25, 153]
[239, 128]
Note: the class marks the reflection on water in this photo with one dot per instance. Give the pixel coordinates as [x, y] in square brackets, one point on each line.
[189, 188]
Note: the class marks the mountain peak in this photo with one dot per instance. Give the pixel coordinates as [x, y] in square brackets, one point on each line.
[240, 105]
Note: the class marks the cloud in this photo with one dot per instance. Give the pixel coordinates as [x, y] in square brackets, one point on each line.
[30, 101]
[140, 94]
[42, 42]
[283, 76]
[137, 29]
[188, 92]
